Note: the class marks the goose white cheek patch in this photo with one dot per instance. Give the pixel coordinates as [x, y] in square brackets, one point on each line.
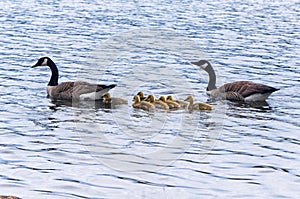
[45, 62]
[204, 65]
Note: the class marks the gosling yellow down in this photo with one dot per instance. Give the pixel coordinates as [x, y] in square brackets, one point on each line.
[141, 95]
[197, 106]
[107, 99]
[171, 104]
[137, 103]
[158, 104]
[183, 104]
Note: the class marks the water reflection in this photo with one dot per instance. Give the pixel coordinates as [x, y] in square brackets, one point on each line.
[98, 104]
[260, 105]
[263, 105]
[249, 110]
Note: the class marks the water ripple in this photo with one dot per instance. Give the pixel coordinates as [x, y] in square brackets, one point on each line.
[86, 150]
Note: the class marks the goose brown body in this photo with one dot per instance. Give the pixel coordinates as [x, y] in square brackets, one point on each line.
[235, 91]
[75, 90]
[78, 90]
[244, 90]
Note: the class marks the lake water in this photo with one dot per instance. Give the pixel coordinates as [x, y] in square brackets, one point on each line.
[84, 150]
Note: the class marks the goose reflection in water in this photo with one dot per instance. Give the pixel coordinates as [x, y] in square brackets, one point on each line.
[98, 104]
[253, 110]
[259, 105]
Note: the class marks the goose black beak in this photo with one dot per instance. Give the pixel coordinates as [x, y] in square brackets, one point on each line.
[35, 65]
[202, 63]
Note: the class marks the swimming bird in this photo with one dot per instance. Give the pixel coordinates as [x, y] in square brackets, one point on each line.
[172, 105]
[78, 90]
[142, 96]
[198, 105]
[183, 104]
[157, 103]
[107, 99]
[141, 104]
[235, 91]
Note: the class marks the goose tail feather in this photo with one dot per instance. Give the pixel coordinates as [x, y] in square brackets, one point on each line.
[100, 91]
[102, 87]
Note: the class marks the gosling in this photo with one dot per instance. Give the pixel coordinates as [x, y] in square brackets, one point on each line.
[200, 106]
[107, 99]
[141, 95]
[183, 104]
[158, 104]
[172, 105]
[142, 104]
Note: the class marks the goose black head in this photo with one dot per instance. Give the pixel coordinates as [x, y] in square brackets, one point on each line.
[44, 61]
[202, 63]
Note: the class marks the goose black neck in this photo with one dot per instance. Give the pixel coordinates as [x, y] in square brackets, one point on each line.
[212, 78]
[54, 76]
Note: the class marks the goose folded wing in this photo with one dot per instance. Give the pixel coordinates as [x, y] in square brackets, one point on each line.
[234, 96]
[63, 91]
[73, 90]
[85, 88]
[245, 88]
[80, 89]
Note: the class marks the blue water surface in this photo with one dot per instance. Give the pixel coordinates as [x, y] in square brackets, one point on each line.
[84, 150]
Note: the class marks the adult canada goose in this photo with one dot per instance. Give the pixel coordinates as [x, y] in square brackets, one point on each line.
[157, 103]
[172, 105]
[78, 90]
[107, 99]
[183, 104]
[235, 91]
[197, 106]
[142, 104]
